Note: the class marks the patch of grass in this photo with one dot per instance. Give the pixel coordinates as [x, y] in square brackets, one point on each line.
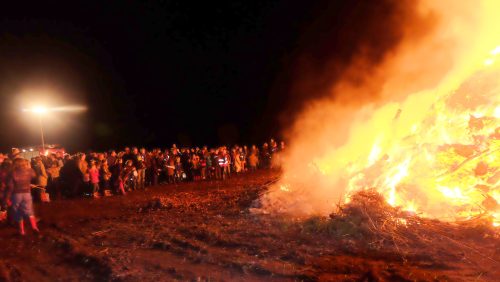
[337, 227]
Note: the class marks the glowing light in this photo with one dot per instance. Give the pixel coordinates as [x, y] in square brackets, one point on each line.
[44, 110]
[37, 110]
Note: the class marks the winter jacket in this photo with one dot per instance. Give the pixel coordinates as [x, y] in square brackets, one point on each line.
[20, 181]
[94, 175]
[253, 160]
[41, 175]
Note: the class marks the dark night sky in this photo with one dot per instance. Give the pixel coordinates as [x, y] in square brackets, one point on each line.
[193, 72]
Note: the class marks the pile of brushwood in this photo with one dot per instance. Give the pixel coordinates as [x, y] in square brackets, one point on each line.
[368, 223]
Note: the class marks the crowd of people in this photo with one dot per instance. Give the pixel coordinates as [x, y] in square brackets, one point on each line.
[97, 174]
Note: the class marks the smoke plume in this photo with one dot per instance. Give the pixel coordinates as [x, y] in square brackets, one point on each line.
[431, 48]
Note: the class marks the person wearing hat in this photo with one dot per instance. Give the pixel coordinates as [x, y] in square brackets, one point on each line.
[19, 194]
[14, 154]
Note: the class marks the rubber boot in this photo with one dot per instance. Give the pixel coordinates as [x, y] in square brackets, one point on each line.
[121, 188]
[21, 227]
[33, 224]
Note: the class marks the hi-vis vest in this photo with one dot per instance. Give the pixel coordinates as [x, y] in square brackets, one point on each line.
[222, 161]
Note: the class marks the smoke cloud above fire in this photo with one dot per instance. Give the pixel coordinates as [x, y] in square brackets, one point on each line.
[382, 121]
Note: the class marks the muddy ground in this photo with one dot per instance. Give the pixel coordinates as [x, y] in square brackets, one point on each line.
[204, 232]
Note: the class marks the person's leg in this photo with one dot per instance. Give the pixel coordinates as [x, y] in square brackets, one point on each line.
[147, 178]
[138, 179]
[27, 207]
[33, 223]
[106, 186]
[16, 213]
[88, 187]
[57, 189]
[95, 190]
[136, 182]
[121, 187]
[142, 178]
[217, 173]
[20, 227]
[155, 178]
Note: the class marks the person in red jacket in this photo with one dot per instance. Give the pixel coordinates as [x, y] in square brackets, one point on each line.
[94, 178]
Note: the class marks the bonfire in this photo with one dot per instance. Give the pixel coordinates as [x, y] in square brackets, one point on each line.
[429, 149]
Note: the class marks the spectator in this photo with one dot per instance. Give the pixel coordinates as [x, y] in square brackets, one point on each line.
[243, 159]
[117, 177]
[111, 158]
[5, 170]
[41, 173]
[237, 161]
[224, 163]
[265, 156]
[105, 177]
[195, 166]
[140, 165]
[19, 194]
[53, 171]
[253, 161]
[69, 176]
[83, 165]
[171, 171]
[94, 178]
[129, 176]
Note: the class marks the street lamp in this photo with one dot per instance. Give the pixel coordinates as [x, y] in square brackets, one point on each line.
[39, 111]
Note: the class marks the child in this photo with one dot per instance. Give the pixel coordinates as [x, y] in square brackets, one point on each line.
[117, 176]
[94, 179]
[105, 176]
[171, 170]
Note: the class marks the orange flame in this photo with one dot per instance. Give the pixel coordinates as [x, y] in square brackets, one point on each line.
[435, 152]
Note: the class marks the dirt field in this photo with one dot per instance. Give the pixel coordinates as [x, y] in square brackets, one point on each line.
[204, 232]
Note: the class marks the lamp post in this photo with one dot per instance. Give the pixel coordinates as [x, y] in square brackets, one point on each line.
[39, 111]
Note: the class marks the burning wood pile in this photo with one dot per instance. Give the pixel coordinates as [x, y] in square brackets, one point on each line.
[441, 162]
[421, 127]
[371, 217]
[447, 166]
[369, 225]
